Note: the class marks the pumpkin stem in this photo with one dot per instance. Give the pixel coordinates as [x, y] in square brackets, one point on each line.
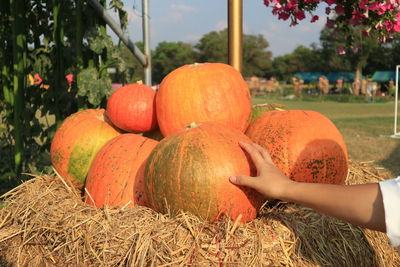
[193, 125]
[196, 64]
[139, 82]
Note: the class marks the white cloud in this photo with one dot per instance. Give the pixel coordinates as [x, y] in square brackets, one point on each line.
[178, 11]
[222, 24]
[192, 38]
[133, 15]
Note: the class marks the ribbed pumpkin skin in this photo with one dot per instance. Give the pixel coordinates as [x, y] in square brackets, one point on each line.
[115, 177]
[77, 141]
[203, 92]
[190, 170]
[305, 145]
[132, 108]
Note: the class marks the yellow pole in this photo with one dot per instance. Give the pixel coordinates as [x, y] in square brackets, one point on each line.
[235, 30]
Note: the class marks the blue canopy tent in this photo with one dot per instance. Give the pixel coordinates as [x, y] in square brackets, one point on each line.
[383, 76]
[345, 76]
[309, 76]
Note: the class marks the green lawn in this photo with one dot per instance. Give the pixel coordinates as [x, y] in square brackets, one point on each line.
[364, 126]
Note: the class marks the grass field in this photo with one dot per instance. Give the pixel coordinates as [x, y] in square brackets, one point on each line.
[366, 128]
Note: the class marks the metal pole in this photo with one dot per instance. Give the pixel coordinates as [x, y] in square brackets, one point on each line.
[396, 99]
[118, 31]
[146, 41]
[235, 32]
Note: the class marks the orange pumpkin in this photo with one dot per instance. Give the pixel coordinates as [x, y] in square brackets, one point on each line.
[132, 108]
[203, 92]
[305, 145]
[77, 141]
[190, 171]
[115, 177]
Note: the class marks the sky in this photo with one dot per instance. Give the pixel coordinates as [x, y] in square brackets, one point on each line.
[189, 20]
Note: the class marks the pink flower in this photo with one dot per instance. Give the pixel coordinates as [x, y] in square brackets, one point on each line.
[314, 18]
[329, 23]
[363, 4]
[341, 50]
[283, 15]
[382, 39]
[374, 6]
[330, 2]
[292, 4]
[328, 10]
[339, 9]
[396, 27]
[379, 26]
[38, 79]
[378, 16]
[388, 25]
[366, 32]
[70, 78]
[299, 14]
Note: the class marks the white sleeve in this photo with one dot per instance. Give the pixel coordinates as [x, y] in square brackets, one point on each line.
[391, 201]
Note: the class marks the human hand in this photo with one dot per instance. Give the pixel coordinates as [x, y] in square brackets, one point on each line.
[270, 181]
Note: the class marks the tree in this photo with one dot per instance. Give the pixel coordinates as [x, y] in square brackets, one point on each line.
[355, 57]
[213, 47]
[133, 70]
[169, 56]
[256, 58]
[384, 57]
[302, 59]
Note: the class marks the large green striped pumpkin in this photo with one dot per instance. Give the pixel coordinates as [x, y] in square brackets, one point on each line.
[77, 141]
[190, 171]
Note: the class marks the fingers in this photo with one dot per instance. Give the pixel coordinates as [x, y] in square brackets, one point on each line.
[242, 180]
[265, 154]
[254, 154]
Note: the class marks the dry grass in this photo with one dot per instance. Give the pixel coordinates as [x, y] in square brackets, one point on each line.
[45, 223]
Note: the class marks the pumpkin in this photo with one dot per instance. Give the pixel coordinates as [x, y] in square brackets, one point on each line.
[190, 171]
[203, 92]
[115, 177]
[305, 145]
[132, 108]
[77, 141]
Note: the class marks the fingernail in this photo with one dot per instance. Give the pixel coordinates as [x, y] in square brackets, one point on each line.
[233, 179]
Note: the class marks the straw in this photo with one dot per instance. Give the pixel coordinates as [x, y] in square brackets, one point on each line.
[46, 223]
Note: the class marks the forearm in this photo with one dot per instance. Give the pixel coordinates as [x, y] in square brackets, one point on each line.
[360, 205]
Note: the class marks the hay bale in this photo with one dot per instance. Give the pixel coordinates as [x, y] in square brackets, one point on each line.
[45, 223]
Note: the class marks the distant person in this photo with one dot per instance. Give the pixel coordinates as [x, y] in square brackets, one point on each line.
[392, 88]
[323, 85]
[363, 86]
[356, 87]
[371, 89]
[301, 85]
[339, 85]
[296, 86]
[275, 85]
[374, 206]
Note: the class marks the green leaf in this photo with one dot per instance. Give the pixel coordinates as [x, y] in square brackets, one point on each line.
[94, 88]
